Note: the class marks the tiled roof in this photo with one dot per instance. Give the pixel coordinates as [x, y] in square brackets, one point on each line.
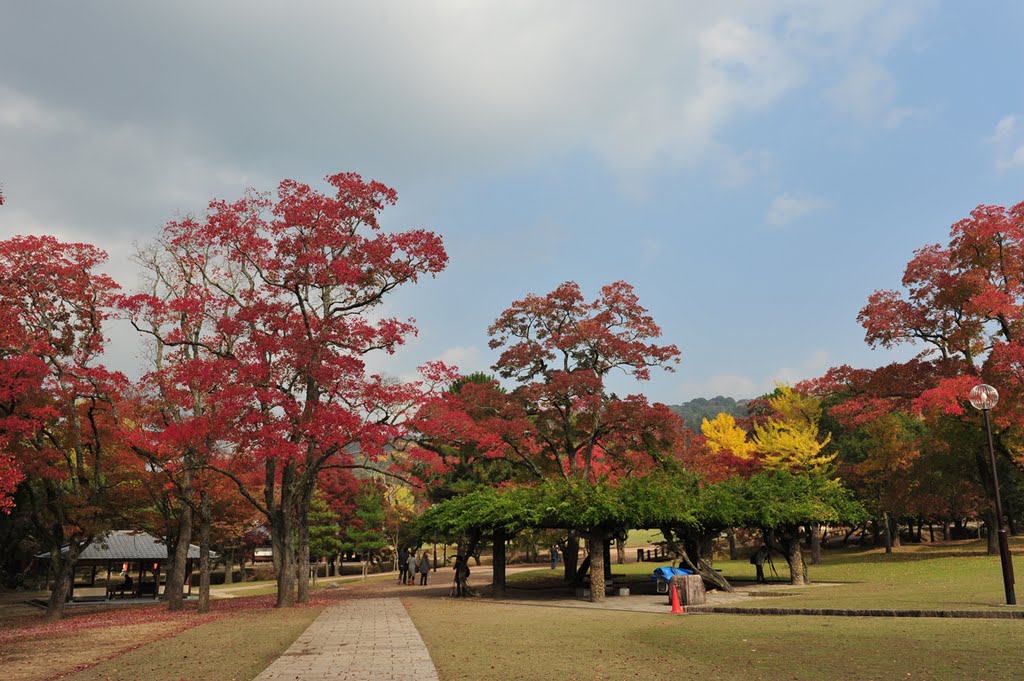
[129, 545]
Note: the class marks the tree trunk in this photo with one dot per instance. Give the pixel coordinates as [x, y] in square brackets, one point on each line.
[888, 532]
[595, 544]
[815, 544]
[283, 536]
[620, 550]
[204, 553]
[229, 567]
[795, 559]
[64, 576]
[895, 524]
[993, 543]
[696, 552]
[174, 590]
[570, 556]
[606, 551]
[732, 543]
[303, 530]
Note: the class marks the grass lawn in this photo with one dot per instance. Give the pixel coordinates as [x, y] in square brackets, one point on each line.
[477, 639]
[232, 648]
[955, 576]
[643, 538]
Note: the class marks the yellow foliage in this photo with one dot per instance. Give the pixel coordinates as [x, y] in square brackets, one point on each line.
[789, 441]
[723, 433]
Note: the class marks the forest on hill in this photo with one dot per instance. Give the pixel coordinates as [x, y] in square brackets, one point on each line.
[694, 411]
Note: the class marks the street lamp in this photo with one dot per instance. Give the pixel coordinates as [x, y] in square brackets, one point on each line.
[985, 397]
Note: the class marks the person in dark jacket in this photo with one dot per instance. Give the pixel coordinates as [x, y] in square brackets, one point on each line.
[403, 566]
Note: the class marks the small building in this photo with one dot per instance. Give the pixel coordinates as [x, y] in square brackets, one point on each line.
[130, 562]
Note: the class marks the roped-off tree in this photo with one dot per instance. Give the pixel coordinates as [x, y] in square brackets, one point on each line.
[289, 284]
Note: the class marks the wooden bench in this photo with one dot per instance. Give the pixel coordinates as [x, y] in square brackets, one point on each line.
[120, 590]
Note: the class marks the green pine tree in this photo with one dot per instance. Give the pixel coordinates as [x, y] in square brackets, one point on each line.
[365, 535]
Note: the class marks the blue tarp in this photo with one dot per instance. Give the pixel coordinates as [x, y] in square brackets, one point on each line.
[666, 573]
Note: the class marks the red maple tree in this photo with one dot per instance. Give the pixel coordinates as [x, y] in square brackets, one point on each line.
[963, 304]
[560, 420]
[57, 404]
[287, 287]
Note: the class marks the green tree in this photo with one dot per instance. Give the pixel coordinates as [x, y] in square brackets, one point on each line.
[324, 530]
[366, 534]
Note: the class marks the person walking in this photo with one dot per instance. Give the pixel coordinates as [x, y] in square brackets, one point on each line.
[403, 566]
[410, 567]
[424, 568]
[554, 556]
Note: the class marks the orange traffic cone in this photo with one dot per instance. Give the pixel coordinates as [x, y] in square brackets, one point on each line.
[676, 608]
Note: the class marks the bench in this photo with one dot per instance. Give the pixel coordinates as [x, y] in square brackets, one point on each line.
[120, 590]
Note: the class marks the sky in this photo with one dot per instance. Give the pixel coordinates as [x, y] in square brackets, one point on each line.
[755, 169]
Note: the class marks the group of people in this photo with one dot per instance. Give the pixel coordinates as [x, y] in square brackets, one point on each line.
[408, 566]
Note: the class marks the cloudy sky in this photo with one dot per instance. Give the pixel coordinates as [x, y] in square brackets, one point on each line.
[755, 169]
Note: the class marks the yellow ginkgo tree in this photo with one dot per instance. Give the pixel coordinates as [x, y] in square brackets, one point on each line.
[790, 439]
[722, 433]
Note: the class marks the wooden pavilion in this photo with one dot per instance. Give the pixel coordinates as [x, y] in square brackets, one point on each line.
[128, 552]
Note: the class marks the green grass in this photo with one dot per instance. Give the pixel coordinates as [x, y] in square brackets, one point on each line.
[940, 577]
[956, 576]
[485, 640]
[643, 538]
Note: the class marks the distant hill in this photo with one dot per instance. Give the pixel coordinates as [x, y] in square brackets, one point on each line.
[694, 411]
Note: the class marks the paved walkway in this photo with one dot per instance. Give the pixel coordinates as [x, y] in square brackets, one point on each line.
[358, 639]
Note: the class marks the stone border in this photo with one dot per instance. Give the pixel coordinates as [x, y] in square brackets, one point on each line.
[842, 612]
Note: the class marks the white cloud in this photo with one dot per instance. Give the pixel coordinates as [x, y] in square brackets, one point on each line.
[407, 89]
[467, 358]
[787, 208]
[739, 386]
[1008, 141]
[1005, 128]
[866, 93]
[22, 113]
[812, 367]
[727, 385]
[1016, 159]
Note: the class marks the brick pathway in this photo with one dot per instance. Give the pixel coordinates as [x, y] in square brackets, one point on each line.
[356, 640]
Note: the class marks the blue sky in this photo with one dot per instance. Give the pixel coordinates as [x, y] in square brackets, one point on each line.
[754, 169]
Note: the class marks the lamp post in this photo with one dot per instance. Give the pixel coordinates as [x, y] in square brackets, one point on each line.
[985, 397]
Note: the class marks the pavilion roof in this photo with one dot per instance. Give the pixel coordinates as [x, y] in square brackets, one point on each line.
[121, 545]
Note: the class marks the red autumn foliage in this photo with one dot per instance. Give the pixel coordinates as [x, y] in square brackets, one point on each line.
[279, 311]
[559, 420]
[57, 400]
